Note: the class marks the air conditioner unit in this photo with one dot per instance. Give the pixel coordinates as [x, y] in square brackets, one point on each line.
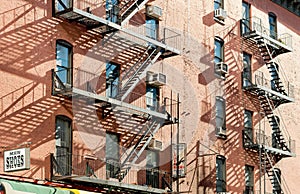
[157, 79]
[220, 14]
[154, 11]
[221, 131]
[155, 144]
[221, 68]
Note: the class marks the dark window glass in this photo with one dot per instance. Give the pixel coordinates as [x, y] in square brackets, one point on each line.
[63, 145]
[247, 72]
[112, 155]
[221, 173]
[273, 25]
[249, 179]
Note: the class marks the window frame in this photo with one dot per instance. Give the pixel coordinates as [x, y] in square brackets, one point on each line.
[220, 173]
[152, 169]
[273, 33]
[66, 163]
[112, 86]
[113, 162]
[152, 98]
[218, 4]
[220, 109]
[249, 186]
[69, 59]
[247, 70]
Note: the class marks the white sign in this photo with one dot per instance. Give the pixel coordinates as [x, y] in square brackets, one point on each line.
[179, 150]
[18, 159]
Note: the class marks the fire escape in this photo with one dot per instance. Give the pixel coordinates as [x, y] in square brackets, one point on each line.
[113, 23]
[268, 94]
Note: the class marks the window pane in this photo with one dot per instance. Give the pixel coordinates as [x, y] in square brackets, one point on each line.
[63, 144]
[220, 112]
[112, 79]
[63, 62]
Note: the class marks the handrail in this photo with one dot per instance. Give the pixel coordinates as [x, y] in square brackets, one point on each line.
[256, 24]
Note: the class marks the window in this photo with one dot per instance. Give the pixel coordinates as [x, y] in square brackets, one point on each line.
[152, 175]
[151, 27]
[247, 72]
[249, 179]
[219, 50]
[64, 61]
[112, 10]
[221, 173]
[63, 145]
[112, 155]
[273, 25]
[220, 117]
[112, 79]
[152, 94]
[245, 23]
[220, 68]
[218, 4]
[61, 5]
[248, 126]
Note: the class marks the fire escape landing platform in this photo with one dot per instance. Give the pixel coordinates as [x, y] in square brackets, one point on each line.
[105, 26]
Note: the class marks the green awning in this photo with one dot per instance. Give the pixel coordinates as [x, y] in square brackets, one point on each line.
[28, 188]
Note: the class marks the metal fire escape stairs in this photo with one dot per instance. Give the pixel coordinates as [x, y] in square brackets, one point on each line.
[269, 100]
[130, 156]
[136, 72]
[131, 77]
[130, 8]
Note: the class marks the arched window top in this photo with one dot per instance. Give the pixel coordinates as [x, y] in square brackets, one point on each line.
[217, 38]
[271, 14]
[63, 117]
[64, 43]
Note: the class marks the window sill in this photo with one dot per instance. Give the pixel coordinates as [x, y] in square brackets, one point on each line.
[222, 22]
[221, 136]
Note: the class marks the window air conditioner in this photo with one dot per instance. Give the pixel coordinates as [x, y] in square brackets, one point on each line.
[220, 14]
[157, 79]
[154, 11]
[221, 131]
[221, 68]
[155, 144]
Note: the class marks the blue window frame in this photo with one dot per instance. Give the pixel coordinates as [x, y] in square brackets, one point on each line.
[218, 4]
[151, 28]
[112, 10]
[112, 79]
[219, 50]
[273, 25]
[152, 94]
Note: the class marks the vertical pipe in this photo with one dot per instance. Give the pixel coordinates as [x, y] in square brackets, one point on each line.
[177, 162]
[171, 150]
